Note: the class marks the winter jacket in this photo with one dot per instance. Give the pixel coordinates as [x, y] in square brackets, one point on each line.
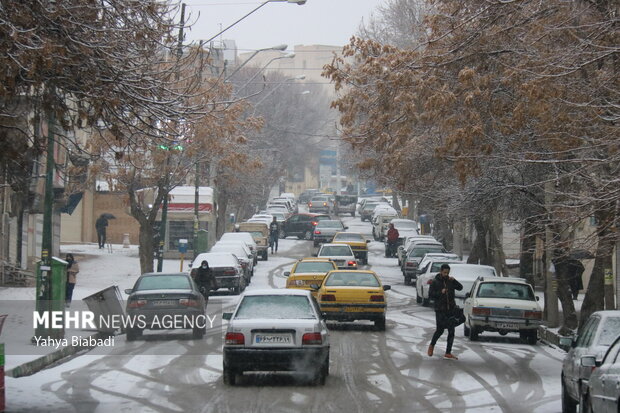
[274, 228]
[204, 277]
[444, 303]
[392, 235]
[72, 273]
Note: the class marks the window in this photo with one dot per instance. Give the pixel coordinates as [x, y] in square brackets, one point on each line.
[349, 237]
[336, 250]
[587, 335]
[514, 291]
[314, 267]
[352, 279]
[275, 307]
[163, 282]
[330, 224]
[421, 251]
[609, 331]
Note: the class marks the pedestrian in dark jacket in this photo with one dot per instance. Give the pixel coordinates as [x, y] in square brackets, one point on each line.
[101, 225]
[72, 271]
[274, 234]
[442, 292]
[205, 279]
[575, 270]
[392, 240]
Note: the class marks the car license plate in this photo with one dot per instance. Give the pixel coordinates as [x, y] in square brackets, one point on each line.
[264, 339]
[508, 326]
[353, 309]
[163, 303]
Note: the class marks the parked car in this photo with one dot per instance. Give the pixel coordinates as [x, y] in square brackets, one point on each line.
[305, 196]
[341, 254]
[308, 271]
[401, 251]
[325, 230]
[406, 228]
[245, 237]
[272, 208]
[276, 330]
[320, 203]
[357, 242]
[502, 305]
[243, 254]
[380, 224]
[415, 254]
[158, 295]
[367, 209]
[292, 208]
[301, 225]
[345, 204]
[260, 234]
[353, 295]
[226, 269]
[604, 384]
[384, 210]
[595, 338]
[429, 267]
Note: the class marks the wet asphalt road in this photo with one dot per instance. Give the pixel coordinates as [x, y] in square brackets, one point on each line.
[370, 371]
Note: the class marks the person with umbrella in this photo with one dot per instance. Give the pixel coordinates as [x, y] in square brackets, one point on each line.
[101, 225]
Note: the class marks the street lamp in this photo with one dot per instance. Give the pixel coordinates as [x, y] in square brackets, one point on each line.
[280, 47]
[300, 2]
[288, 56]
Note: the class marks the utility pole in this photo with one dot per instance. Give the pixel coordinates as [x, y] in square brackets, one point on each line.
[164, 210]
[551, 282]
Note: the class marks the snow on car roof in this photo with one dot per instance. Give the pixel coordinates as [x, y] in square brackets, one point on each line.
[278, 291]
[216, 259]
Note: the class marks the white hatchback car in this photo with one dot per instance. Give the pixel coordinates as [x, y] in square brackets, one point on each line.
[502, 305]
[341, 254]
[276, 330]
[429, 268]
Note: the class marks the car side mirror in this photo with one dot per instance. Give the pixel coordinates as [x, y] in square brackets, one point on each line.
[346, 227]
[190, 264]
[315, 287]
[387, 287]
[314, 254]
[467, 295]
[367, 241]
[589, 361]
[128, 291]
[537, 298]
[287, 273]
[227, 316]
[566, 342]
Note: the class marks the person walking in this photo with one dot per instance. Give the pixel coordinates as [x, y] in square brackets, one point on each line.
[442, 292]
[392, 240]
[274, 234]
[205, 279]
[72, 271]
[575, 271]
[100, 225]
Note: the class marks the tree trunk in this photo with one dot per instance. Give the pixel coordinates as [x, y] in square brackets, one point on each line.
[222, 206]
[411, 212]
[497, 257]
[526, 258]
[478, 253]
[146, 248]
[569, 315]
[395, 202]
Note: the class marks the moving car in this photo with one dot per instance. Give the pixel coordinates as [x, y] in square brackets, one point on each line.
[308, 271]
[226, 269]
[415, 254]
[305, 196]
[595, 338]
[356, 241]
[260, 233]
[246, 238]
[502, 305]
[345, 204]
[341, 254]
[301, 225]
[156, 297]
[276, 330]
[320, 203]
[604, 384]
[325, 230]
[353, 295]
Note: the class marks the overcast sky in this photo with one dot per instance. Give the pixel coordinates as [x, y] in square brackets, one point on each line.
[326, 22]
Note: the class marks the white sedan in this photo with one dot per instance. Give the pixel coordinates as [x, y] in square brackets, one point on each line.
[276, 330]
[604, 383]
[341, 254]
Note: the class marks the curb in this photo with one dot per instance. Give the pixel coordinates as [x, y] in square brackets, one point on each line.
[34, 366]
[550, 337]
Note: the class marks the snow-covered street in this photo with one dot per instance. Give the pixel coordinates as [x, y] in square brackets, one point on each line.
[370, 370]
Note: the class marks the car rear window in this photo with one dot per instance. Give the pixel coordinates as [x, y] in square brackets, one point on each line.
[419, 252]
[163, 282]
[348, 237]
[352, 279]
[335, 250]
[321, 218]
[515, 291]
[609, 331]
[274, 307]
[329, 224]
[310, 266]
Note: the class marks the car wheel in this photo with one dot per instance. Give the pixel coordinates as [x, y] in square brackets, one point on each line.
[353, 214]
[237, 290]
[365, 260]
[532, 337]
[133, 334]
[380, 324]
[282, 234]
[316, 244]
[198, 333]
[568, 404]
[585, 405]
[465, 330]
[407, 279]
[308, 235]
[230, 376]
[418, 299]
[265, 256]
[473, 333]
[321, 374]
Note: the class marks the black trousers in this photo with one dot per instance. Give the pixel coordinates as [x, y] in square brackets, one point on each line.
[441, 320]
[101, 238]
[69, 291]
[273, 241]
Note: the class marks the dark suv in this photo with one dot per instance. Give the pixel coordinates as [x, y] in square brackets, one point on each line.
[301, 225]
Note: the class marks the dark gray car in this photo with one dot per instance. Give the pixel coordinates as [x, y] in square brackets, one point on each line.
[326, 229]
[165, 301]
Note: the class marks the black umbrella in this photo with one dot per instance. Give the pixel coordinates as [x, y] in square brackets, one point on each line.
[581, 254]
[107, 215]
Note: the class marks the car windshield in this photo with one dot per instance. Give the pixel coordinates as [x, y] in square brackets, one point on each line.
[437, 265]
[321, 218]
[257, 234]
[609, 332]
[314, 266]
[370, 205]
[278, 215]
[349, 237]
[352, 279]
[329, 224]
[515, 291]
[163, 282]
[406, 225]
[274, 307]
[422, 250]
[335, 250]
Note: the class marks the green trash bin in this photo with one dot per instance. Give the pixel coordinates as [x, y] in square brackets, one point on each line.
[56, 301]
[201, 243]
